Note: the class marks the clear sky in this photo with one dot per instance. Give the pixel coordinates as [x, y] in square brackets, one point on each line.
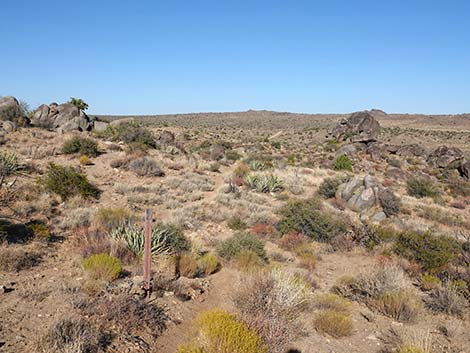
[150, 57]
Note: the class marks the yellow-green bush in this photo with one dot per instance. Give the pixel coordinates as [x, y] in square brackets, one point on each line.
[40, 230]
[220, 332]
[208, 264]
[333, 323]
[429, 282]
[102, 267]
[247, 260]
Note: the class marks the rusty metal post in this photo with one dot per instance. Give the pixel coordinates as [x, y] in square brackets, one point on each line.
[147, 251]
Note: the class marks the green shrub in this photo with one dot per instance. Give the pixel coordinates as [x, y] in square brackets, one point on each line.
[79, 103]
[232, 155]
[430, 251]
[166, 238]
[67, 182]
[102, 267]
[231, 247]
[430, 282]
[329, 186]
[420, 188]
[223, 333]
[306, 217]
[130, 133]
[343, 162]
[236, 223]
[84, 146]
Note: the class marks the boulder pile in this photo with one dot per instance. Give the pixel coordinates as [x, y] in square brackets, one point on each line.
[362, 194]
[12, 115]
[359, 127]
[61, 117]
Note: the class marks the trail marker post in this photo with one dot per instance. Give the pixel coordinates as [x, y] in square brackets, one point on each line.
[147, 251]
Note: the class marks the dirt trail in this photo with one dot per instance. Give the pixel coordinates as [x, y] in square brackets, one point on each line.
[218, 296]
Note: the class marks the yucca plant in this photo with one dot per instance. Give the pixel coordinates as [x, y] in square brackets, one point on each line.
[166, 239]
[257, 165]
[264, 183]
[8, 167]
[8, 164]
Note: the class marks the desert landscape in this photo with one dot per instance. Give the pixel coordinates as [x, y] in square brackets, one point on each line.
[272, 231]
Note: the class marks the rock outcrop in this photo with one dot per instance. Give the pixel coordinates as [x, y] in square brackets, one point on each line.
[464, 169]
[359, 127]
[61, 117]
[362, 194]
[11, 112]
[446, 157]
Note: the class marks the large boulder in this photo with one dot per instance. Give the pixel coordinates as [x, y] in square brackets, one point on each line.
[165, 137]
[362, 195]
[359, 127]
[61, 117]
[413, 150]
[464, 169]
[10, 110]
[446, 157]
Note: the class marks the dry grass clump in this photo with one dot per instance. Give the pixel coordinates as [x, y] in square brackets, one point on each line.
[146, 166]
[386, 290]
[447, 299]
[270, 302]
[334, 323]
[413, 341]
[400, 305]
[330, 301]
[87, 241]
[188, 265]
[221, 332]
[307, 256]
[125, 315]
[14, 259]
[293, 240]
[109, 218]
[70, 335]
[334, 318]
[420, 188]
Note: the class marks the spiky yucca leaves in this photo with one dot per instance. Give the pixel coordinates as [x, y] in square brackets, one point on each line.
[257, 165]
[264, 183]
[8, 167]
[166, 239]
[8, 163]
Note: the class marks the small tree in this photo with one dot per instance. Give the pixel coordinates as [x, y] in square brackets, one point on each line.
[79, 103]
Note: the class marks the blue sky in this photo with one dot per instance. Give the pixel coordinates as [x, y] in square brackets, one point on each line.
[144, 57]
